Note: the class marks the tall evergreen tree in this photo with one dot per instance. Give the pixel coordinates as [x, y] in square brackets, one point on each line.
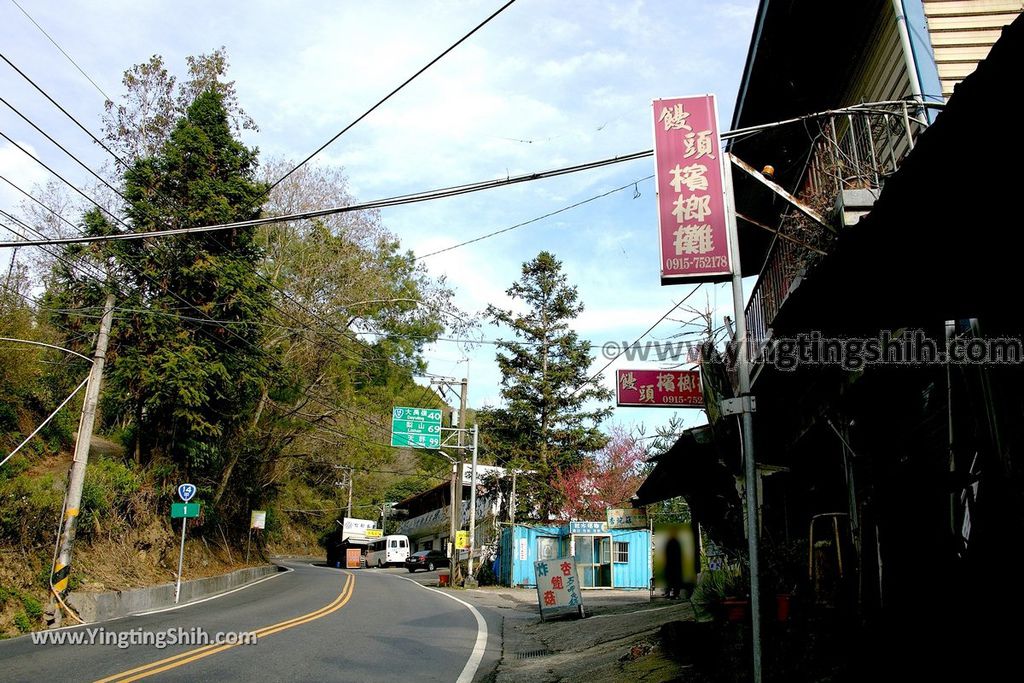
[550, 418]
[190, 385]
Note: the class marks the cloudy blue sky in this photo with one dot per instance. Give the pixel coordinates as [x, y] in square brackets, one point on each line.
[548, 83]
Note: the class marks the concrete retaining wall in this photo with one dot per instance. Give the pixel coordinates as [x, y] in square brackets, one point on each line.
[94, 607]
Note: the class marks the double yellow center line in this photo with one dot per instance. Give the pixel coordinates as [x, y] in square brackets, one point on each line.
[207, 650]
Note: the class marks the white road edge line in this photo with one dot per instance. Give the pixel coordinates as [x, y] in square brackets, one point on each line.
[468, 671]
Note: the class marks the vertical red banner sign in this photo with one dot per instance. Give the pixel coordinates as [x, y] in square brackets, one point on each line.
[691, 199]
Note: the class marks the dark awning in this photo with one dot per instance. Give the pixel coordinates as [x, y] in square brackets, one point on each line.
[677, 469]
[701, 466]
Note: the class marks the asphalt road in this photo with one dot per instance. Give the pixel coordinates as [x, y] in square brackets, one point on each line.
[313, 623]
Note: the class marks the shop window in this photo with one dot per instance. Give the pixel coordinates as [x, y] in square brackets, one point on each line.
[621, 551]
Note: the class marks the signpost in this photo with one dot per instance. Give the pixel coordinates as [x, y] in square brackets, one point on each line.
[184, 511]
[186, 491]
[257, 520]
[692, 218]
[697, 224]
[659, 388]
[627, 518]
[354, 529]
[558, 588]
[416, 427]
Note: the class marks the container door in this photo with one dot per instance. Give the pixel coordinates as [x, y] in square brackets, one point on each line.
[603, 561]
[584, 557]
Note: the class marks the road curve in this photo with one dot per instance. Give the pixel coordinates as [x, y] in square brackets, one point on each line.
[312, 623]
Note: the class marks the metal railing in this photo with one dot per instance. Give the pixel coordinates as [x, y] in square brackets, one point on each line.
[858, 147]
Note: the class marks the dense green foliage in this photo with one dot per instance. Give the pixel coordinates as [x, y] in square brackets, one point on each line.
[259, 363]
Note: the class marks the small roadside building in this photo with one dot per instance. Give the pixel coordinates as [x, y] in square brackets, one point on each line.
[428, 520]
[605, 558]
[346, 545]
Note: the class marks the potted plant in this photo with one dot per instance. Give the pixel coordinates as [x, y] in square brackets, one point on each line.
[736, 604]
[708, 594]
[783, 567]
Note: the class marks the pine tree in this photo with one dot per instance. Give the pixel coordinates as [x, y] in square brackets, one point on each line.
[549, 422]
[190, 385]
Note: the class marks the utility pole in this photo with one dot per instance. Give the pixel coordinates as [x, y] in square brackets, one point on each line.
[350, 473]
[512, 501]
[456, 475]
[76, 478]
[472, 505]
[455, 513]
[744, 407]
[457, 499]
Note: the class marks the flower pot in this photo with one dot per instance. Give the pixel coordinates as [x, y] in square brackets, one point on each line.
[736, 609]
[783, 601]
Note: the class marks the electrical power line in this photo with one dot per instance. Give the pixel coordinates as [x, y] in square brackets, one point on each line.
[62, 148]
[637, 341]
[393, 92]
[534, 220]
[399, 200]
[63, 110]
[50, 38]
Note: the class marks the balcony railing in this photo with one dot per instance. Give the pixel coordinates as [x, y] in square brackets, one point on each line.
[856, 148]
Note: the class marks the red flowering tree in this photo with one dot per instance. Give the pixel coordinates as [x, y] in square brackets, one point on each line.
[608, 478]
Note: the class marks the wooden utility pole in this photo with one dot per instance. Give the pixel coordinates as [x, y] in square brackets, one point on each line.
[351, 472]
[76, 478]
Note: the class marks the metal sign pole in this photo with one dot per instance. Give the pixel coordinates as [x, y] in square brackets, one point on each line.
[745, 409]
[181, 555]
[472, 501]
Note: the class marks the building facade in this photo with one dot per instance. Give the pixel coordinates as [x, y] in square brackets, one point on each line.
[605, 558]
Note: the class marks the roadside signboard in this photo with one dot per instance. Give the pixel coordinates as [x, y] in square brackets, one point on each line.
[627, 518]
[354, 529]
[558, 588]
[694, 234]
[186, 491]
[659, 388]
[184, 510]
[258, 519]
[482, 472]
[416, 427]
[374, 533]
[462, 540]
[587, 528]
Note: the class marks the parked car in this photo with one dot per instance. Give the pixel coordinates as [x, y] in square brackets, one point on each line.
[426, 559]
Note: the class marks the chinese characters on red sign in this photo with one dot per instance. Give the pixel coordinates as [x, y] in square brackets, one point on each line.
[668, 388]
[691, 202]
[557, 585]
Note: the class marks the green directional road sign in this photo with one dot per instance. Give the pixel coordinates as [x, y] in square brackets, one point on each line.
[188, 510]
[416, 427]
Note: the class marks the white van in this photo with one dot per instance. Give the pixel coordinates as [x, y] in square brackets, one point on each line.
[387, 550]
